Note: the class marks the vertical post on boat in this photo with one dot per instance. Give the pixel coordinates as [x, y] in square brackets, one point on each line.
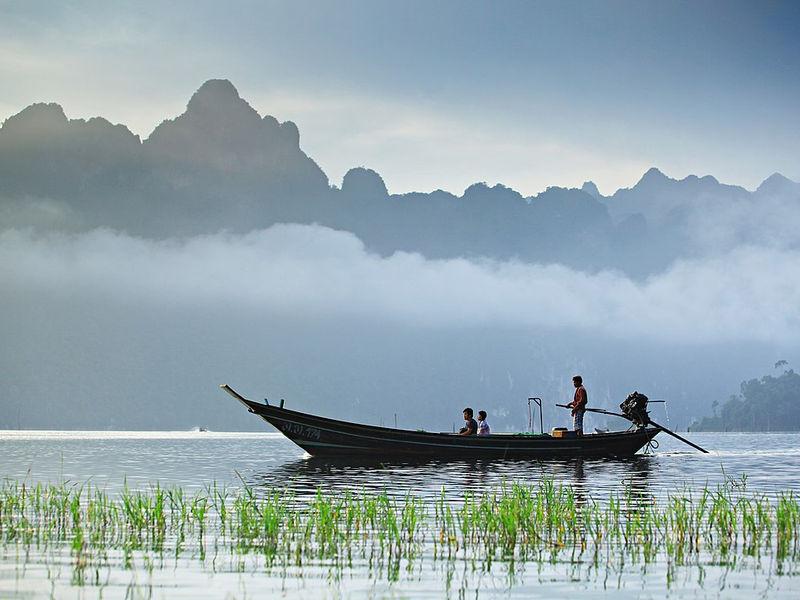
[541, 416]
[530, 415]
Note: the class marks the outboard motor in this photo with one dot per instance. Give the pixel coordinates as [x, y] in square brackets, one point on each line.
[634, 407]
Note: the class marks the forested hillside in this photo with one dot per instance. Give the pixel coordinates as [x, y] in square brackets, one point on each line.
[766, 404]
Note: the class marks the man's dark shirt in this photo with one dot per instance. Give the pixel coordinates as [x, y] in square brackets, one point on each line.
[471, 425]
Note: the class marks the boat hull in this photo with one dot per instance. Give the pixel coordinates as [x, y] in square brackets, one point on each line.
[321, 436]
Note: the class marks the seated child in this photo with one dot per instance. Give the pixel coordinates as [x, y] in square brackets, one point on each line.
[483, 426]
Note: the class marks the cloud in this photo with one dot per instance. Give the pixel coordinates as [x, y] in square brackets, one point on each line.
[30, 211]
[747, 294]
[721, 223]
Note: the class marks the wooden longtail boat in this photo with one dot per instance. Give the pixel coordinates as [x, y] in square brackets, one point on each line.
[321, 436]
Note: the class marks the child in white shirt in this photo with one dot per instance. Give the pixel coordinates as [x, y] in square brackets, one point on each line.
[483, 425]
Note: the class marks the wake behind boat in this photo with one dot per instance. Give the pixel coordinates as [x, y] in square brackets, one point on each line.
[321, 436]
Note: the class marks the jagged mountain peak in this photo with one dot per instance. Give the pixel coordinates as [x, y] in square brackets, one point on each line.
[590, 188]
[709, 179]
[40, 116]
[45, 124]
[481, 192]
[704, 179]
[220, 129]
[776, 177]
[653, 176]
[777, 183]
[217, 86]
[361, 181]
[654, 180]
[214, 93]
[215, 111]
[51, 110]
[217, 105]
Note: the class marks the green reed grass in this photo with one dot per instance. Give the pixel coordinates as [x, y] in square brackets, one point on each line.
[513, 522]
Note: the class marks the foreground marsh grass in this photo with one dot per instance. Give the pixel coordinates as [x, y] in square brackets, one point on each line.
[513, 524]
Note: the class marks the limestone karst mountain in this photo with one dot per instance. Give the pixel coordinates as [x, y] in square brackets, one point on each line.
[664, 200]
[223, 134]
[218, 165]
[65, 173]
[777, 184]
[221, 165]
[591, 188]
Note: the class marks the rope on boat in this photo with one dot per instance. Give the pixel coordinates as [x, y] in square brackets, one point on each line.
[651, 446]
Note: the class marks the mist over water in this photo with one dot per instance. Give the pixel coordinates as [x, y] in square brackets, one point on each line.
[316, 272]
[139, 275]
[117, 331]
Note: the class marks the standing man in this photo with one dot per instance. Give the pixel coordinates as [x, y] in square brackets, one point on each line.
[578, 405]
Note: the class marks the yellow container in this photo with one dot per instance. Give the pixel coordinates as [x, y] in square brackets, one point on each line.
[559, 432]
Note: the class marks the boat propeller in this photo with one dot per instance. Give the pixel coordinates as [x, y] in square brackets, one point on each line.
[634, 409]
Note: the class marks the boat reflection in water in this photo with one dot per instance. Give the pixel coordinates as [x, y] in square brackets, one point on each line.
[589, 479]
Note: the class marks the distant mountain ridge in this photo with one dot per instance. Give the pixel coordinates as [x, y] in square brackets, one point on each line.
[220, 165]
[667, 195]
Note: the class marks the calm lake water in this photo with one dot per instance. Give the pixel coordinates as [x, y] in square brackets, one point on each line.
[769, 463]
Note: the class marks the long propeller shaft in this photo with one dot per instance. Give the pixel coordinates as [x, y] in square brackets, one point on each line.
[653, 423]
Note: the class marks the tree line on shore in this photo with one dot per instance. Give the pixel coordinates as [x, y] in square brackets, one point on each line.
[766, 404]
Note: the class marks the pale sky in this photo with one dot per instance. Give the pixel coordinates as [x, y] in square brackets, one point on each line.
[443, 94]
